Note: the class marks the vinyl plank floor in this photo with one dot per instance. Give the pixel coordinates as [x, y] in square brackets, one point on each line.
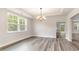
[42, 44]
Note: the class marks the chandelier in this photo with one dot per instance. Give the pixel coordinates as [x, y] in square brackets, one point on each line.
[41, 17]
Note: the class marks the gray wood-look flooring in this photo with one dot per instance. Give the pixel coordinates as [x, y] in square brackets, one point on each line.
[44, 44]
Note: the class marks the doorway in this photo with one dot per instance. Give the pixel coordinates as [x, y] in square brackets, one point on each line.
[61, 29]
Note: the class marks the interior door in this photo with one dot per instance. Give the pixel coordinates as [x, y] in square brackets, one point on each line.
[61, 29]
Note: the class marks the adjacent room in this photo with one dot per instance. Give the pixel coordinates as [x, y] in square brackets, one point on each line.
[39, 29]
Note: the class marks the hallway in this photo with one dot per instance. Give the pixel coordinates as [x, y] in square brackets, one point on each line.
[42, 44]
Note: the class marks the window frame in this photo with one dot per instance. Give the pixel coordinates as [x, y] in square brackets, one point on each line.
[18, 25]
[60, 23]
[73, 28]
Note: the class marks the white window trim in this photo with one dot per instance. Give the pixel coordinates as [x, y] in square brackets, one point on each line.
[18, 28]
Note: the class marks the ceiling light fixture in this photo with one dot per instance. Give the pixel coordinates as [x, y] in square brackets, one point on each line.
[41, 17]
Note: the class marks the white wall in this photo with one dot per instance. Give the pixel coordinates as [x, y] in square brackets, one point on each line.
[44, 29]
[68, 29]
[47, 28]
[69, 24]
[5, 37]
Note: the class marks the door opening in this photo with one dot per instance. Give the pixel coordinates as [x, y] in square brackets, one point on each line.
[60, 29]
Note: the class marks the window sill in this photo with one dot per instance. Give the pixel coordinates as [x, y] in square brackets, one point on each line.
[16, 31]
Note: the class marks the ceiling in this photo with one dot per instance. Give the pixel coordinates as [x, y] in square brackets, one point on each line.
[47, 11]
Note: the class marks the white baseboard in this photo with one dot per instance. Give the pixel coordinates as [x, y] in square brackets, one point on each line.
[45, 36]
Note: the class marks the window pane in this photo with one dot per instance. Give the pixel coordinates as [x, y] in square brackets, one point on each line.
[76, 26]
[62, 27]
[22, 27]
[15, 17]
[21, 21]
[12, 19]
[12, 27]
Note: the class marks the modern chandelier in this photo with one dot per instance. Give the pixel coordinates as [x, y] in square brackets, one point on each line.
[41, 17]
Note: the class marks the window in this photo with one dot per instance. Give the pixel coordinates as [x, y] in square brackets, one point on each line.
[61, 26]
[16, 23]
[12, 23]
[76, 26]
[22, 24]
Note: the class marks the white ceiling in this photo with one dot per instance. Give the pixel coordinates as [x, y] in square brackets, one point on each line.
[47, 11]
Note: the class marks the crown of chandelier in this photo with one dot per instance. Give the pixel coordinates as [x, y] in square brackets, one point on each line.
[41, 17]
